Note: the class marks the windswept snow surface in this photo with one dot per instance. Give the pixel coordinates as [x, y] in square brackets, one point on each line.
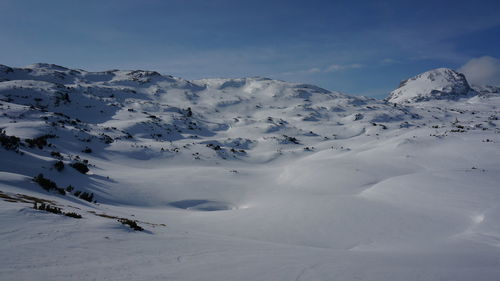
[244, 179]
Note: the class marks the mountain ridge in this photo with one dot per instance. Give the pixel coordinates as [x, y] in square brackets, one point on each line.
[439, 83]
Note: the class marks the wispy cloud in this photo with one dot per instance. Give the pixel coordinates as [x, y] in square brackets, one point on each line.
[390, 61]
[314, 70]
[327, 69]
[339, 67]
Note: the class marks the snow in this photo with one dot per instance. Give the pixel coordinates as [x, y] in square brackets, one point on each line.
[248, 179]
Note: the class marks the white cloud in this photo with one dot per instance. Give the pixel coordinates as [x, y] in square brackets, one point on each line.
[482, 71]
[338, 67]
[330, 68]
[307, 71]
[313, 70]
[390, 61]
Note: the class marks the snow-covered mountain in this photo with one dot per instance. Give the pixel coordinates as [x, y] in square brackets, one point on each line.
[245, 179]
[441, 83]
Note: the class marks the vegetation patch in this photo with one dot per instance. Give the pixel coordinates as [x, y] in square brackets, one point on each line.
[40, 141]
[9, 142]
[125, 219]
[47, 184]
[84, 195]
[59, 166]
[56, 154]
[47, 208]
[55, 210]
[73, 215]
[131, 223]
[80, 167]
[214, 146]
[291, 139]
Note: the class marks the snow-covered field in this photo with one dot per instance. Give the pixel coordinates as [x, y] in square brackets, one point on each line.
[246, 179]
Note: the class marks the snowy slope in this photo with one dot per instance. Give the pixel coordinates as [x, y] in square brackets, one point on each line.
[246, 179]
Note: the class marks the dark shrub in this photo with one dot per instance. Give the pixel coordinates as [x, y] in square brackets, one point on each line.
[80, 167]
[44, 182]
[47, 184]
[87, 150]
[73, 215]
[56, 154]
[291, 139]
[39, 142]
[106, 139]
[55, 210]
[87, 196]
[59, 165]
[214, 146]
[9, 142]
[132, 224]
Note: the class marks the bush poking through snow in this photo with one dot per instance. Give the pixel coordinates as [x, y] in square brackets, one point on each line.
[59, 165]
[214, 146]
[57, 155]
[55, 210]
[84, 195]
[9, 142]
[47, 208]
[47, 184]
[40, 141]
[291, 139]
[132, 224]
[73, 215]
[87, 196]
[80, 167]
[106, 139]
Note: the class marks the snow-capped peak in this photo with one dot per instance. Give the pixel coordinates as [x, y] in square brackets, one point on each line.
[440, 83]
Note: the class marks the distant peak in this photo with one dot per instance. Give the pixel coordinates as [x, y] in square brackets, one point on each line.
[47, 66]
[439, 83]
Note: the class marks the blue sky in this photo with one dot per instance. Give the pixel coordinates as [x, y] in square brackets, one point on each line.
[357, 47]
